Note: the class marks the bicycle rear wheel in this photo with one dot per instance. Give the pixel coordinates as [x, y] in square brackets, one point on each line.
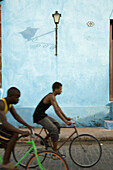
[85, 150]
[50, 160]
[21, 147]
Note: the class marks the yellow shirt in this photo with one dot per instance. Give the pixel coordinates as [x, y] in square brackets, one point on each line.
[6, 109]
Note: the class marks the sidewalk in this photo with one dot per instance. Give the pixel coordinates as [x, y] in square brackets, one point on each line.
[99, 132]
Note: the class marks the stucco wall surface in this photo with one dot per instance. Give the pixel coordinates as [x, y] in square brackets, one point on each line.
[82, 64]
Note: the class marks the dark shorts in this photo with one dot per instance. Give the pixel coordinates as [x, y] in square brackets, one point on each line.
[5, 135]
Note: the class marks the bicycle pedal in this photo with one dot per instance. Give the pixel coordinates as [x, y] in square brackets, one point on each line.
[62, 155]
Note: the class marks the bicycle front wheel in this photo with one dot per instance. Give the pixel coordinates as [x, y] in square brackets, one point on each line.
[85, 150]
[21, 147]
[50, 161]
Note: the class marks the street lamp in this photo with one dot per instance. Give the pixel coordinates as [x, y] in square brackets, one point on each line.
[56, 17]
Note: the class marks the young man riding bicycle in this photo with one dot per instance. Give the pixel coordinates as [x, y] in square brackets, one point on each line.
[8, 133]
[40, 117]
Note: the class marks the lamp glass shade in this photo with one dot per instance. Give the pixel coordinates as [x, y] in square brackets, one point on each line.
[56, 17]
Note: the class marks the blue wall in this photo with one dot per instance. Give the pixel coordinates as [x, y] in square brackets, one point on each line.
[82, 64]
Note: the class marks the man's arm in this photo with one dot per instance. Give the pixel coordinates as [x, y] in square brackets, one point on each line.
[18, 118]
[7, 125]
[67, 118]
[55, 106]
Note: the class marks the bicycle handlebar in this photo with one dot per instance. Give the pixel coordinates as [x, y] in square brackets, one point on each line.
[73, 121]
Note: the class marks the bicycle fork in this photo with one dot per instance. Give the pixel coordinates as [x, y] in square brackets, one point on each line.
[36, 154]
[37, 157]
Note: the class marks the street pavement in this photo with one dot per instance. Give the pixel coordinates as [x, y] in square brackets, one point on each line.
[104, 136]
[105, 163]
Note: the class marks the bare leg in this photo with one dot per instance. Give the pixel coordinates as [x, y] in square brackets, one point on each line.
[55, 146]
[9, 148]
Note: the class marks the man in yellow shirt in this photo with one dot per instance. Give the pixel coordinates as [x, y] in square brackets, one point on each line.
[9, 133]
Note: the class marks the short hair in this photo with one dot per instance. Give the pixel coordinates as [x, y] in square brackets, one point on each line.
[13, 91]
[56, 85]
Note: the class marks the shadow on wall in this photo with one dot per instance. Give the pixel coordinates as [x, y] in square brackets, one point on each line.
[82, 118]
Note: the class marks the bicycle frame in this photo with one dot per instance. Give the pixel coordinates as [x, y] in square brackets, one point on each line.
[35, 151]
[75, 131]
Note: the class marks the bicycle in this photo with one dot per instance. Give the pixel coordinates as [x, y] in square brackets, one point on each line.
[40, 159]
[85, 144]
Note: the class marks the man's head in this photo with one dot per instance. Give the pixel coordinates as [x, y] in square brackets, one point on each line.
[57, 87]
[13, 93]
